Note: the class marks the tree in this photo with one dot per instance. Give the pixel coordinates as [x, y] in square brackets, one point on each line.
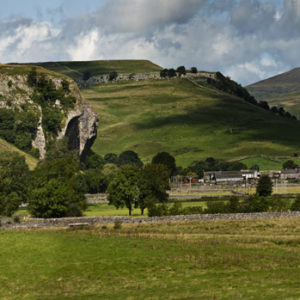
[164, 73]
[13, 182]
[86, 75]
[111, 158]
[110, 171]
[56, 190]
[95, 181]
[129, 158]
[94, 161]
[113, 75]
[123, 190]
[289, 164]
[165, 158]
[264, 186]
[153, 183]
[194, 70]
[181, 70]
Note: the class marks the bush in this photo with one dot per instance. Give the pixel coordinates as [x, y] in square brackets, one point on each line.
[216, 207]
[118, 224]
[296, 204]
[255, 204]
[194, 70]
[158, 210]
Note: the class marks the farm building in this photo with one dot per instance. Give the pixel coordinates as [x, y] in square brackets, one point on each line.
[290, 174]
[230, 176]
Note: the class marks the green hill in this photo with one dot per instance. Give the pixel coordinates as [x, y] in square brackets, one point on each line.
[189, 121]
[281, 90]
[76, 69]
[6, 147]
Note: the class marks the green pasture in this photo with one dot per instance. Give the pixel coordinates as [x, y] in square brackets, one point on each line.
[189, 122]
[241, 259]
[104, 209]
[7, 147]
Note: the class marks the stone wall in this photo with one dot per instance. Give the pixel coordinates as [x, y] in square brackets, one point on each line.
[63, 222]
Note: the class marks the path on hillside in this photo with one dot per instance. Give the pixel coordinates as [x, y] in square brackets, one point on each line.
[68, 68]
[204, 87]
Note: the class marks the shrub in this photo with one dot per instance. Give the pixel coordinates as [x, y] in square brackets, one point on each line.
[194, 70]
[296, 204]
[157, 210]
[176, 209]
[118, 224]
[17, 219]
[215, 207]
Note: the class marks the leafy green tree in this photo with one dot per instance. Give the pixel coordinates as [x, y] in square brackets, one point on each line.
[94, 161]
[165, 158]
[194, 70]
[113, 75]
[123, 190]
[296, 204]
[153, 183]
[13, 182]
[56, 189]
[181, 70]
[289, 164]
[111, 158]
[129, 158]
[95, 181]
[110, 171]
[264, 186]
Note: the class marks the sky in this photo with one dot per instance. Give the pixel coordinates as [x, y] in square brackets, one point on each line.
[248, 40]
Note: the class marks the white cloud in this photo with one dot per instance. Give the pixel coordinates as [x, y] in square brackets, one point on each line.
[247, 39]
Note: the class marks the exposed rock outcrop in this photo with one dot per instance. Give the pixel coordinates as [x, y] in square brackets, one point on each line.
[79, 123]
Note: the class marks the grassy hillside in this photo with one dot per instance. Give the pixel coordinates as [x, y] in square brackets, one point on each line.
[76, 69]
[281, 90]
[6, 147]
[242, 259]
[189, 121]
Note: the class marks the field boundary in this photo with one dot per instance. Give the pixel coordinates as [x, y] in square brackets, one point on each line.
[65, 222]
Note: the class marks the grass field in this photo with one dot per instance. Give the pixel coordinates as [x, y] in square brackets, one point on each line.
[76, 69]
[190, 122]
[6, 147]
[249, 259]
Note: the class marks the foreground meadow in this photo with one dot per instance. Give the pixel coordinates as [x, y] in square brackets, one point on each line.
[249, 259]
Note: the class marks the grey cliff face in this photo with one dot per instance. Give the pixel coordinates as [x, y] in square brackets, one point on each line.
[81, 129]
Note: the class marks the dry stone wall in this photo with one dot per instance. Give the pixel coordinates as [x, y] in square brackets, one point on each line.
[92, 221]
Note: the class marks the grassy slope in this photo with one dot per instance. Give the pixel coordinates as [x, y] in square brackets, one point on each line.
[190, 122]
[76, 69]
[250, 259]
[6, 147]
[282, 90]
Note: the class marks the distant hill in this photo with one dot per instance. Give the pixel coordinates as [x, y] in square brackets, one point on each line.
[6, 147]
[191, 121]
[281, 90]
[78, 69]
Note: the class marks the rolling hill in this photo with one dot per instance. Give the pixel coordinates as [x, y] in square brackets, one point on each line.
[281, 90]
[189, 121]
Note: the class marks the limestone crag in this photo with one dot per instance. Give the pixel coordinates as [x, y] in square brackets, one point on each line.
[79, 122]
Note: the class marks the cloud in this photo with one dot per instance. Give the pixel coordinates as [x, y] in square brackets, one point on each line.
[247, 39]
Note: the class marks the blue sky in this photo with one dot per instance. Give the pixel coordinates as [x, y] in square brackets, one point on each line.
[248, 40]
